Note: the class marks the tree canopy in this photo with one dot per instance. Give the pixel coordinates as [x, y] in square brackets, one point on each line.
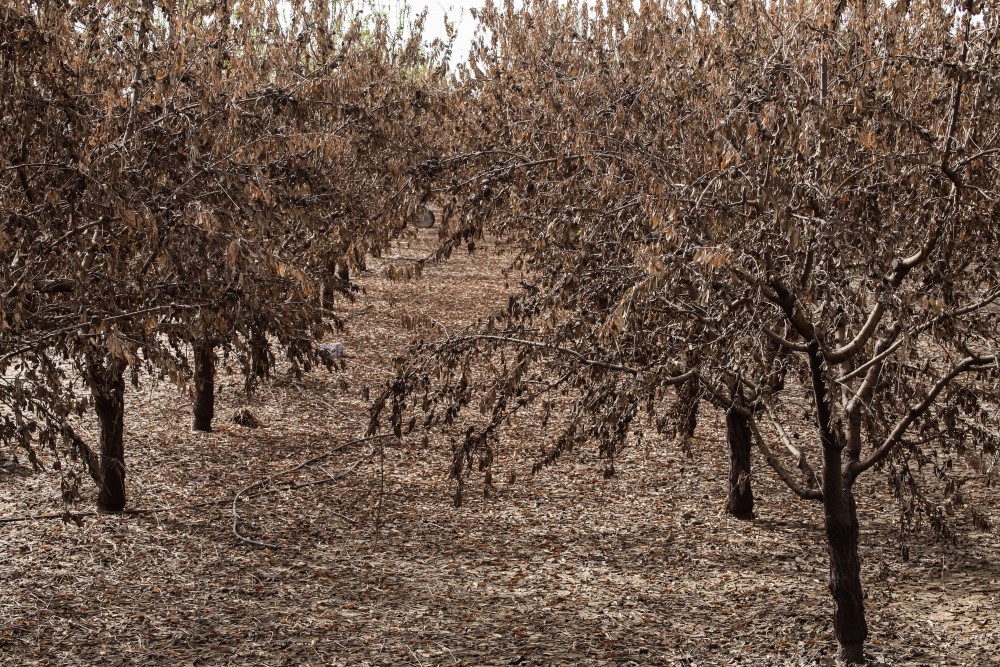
[179, 175]
[749, 194]
[787, 208]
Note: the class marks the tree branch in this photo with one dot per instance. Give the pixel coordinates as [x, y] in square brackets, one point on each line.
[595, 363]
[784, 298]
[783, 342]
[867, 388]
[787, 477]
[845, 352]
[801, 462]
[958, 312]
[917, 411]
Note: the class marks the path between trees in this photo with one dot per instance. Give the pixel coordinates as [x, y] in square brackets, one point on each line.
[377, 567]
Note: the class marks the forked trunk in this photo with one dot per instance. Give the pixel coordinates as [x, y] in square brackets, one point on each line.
[204, 386]
[841, 516]
[740, 500]
[107, 386]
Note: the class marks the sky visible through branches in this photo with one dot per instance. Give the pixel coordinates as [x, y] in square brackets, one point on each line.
[456, 12]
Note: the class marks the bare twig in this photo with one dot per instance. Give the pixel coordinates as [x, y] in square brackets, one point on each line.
[269, 480]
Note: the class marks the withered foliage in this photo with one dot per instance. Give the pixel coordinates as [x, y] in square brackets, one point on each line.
[789, 208]
[179, 176]
[794, 203]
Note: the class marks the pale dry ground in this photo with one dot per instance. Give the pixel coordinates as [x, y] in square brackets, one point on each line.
[563, 568]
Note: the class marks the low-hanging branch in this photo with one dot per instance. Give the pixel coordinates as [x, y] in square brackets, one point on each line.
[552, 347]
[241, 494]
[786, 476]
[918, 410]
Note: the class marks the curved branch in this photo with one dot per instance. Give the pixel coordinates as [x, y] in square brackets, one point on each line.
[867, 388]
[918, 410]
[783, 342]
[855, 345]
[956, 103]
[786, 476]
[587, 361]
[958, 312]
[802, 463]
[788, 303]
[722, 397]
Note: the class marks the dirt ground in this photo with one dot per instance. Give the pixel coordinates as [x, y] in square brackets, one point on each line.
[375, 565]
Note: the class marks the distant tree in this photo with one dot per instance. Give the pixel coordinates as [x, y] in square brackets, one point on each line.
[794, 204]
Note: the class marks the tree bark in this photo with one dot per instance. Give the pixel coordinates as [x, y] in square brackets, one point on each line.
[107, 385]
[260, 354]
[841, 516]
[687, 413]
[738, 434]
[204, 386]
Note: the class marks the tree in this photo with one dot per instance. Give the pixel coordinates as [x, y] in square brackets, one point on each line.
[178, 179]
[794, 204]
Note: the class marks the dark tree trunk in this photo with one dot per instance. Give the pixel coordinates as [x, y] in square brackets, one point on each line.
[260, 354]
[841, 519]
[740, 500]
[688, 397]
[204, 386]
[841, 516]
[777, 353]
[107, 386]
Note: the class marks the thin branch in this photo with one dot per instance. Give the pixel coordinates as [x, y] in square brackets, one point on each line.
[864, 393]
[782, 435]
[958, 312]
[956, 101]
[918, 410]
[801, 462]
[787, 477]
[595, 363]
[270, 479]
[856, 344]
[723, 397]
[783, 297]
[82, 228]
[783, 342]
[70, 515]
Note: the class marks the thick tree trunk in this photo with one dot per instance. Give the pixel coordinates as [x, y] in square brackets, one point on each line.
[204, 386]
[841, 517]
[740, 500]
[108, 389]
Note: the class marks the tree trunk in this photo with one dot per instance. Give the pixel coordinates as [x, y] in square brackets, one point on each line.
[841, 515]
[687, 413]
[260, 354]
[776, 379]
[740, 500]
[107, 385]
[204, 386]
